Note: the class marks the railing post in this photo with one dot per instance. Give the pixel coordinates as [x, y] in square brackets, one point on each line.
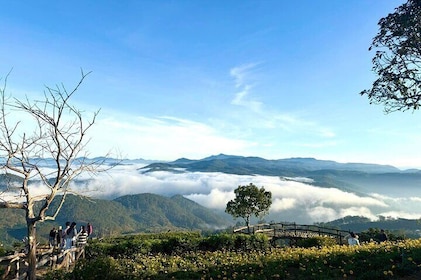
[17, 269]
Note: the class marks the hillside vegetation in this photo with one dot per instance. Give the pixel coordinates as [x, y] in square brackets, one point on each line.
[123, 215]
[228, 256]
[148, 213]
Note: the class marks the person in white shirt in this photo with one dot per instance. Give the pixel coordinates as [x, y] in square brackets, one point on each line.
[353, 239]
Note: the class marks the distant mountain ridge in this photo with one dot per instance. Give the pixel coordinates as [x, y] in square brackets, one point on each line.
[408, 227]
[151, 212]
[361, 178]
[256, 165]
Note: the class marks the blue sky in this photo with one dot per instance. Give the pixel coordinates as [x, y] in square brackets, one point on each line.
[274, 79]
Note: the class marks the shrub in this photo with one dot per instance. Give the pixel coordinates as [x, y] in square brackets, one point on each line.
[2, 251]
[99, 268]
[234, 242]
[175, 245]
[318, 241]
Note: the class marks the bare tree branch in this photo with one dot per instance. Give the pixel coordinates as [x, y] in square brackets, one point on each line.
[59, 135]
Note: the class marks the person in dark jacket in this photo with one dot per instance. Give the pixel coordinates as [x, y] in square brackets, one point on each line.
[52, 238]
[71, 233]
[60, 242]
[383, 236]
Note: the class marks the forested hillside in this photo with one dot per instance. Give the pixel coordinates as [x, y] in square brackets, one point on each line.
[127, 214]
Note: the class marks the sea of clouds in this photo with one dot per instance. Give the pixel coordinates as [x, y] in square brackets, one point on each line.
[293, 199]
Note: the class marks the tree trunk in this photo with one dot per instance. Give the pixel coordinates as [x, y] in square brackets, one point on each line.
[32, 251]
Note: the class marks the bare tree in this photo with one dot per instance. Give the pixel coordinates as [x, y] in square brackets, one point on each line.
[32, 132]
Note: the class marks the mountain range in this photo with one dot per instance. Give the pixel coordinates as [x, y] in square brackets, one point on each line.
[355, 177]
[149, 196]
[256, 165]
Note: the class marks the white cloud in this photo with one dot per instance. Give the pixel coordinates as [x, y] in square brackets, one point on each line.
[216, 199]
[292, 200]
[163, 138]
[242, 73]
[279, 204]
[358, 211]
[242, 76]
[401, 214]
[320, 213]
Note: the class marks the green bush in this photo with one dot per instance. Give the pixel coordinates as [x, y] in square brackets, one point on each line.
[127, 246]
[175, 245]
[217, 242]
[57, 274]
[318, 241]
[234, 242]
[98, 268]
[2, 251]
[372, 234]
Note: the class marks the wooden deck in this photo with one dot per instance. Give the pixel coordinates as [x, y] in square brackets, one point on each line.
[293, 231]
[15, 266]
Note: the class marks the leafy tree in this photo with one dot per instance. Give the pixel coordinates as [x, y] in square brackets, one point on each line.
[32, 133]
[373, 234]
[397, 61]
[249, 200]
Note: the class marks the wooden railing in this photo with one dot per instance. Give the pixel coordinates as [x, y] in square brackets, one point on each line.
[293, 230]
[15, 266]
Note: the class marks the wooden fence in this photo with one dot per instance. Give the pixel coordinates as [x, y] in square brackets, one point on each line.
[15, 266]
[294, 231]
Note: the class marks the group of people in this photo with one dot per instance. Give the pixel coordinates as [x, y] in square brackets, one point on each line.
[353, 238]
[69, 236]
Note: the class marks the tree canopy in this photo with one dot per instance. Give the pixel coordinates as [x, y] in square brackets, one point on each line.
[398, 59]
[249, 201]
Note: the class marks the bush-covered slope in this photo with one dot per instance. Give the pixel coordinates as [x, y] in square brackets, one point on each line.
[128, 214]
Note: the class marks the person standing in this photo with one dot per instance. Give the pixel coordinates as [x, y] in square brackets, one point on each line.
[383, 236]
[82, 237]
[52, 238]
[64, 235]
[353, 239]
[89, 229]
[71, 234]
[60, 237]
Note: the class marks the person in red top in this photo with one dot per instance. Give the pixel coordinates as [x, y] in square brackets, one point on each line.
[89, 229]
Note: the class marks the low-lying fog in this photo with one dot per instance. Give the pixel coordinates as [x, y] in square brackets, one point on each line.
[294, 199]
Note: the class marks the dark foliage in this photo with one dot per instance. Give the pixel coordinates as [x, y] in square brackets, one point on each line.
[397, 60]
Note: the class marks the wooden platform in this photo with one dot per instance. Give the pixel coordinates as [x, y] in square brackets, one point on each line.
[294, 231]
